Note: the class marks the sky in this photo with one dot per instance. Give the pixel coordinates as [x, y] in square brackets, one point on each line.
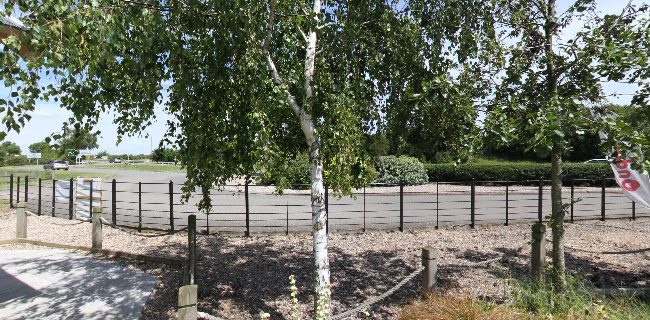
[48, 117]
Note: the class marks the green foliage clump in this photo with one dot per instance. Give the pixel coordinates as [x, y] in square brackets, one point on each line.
[16, 161]
[164, 155]
[394, 170]
[514, 172]
[298, 171]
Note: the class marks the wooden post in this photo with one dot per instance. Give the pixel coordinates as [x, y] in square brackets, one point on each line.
[187, 299]
[429, 261]
[21, 221]
[97, 228]
[191, 245]
[538, 252]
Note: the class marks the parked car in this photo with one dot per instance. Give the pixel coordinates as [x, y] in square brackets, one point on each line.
[597, 161]
[56, 165]
[115, 160]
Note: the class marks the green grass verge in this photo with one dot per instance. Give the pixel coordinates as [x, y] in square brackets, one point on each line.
[141, 167]
[46, 175]
[534, 300]
[579, 300]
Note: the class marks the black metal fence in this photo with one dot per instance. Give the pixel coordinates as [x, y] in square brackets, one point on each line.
[248, 209]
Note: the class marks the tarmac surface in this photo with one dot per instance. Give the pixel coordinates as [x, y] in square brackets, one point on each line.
[58, 284]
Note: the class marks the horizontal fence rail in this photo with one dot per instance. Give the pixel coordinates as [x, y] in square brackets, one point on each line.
[247, 209]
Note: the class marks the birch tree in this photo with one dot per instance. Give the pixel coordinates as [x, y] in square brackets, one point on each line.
[248, 83]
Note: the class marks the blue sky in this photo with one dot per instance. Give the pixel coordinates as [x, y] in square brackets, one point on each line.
[49, 117]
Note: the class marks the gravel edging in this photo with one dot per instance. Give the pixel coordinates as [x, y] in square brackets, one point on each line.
[239, 277]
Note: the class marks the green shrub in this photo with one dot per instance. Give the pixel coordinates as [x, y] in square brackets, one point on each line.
[394, 170]
[298, 170]
[16, 161]
[514, 172]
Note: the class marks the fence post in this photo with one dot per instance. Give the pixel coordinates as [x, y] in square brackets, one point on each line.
[538, 251]
[171, 206]
[602, 198]
[472, 210]
[573, 186]
[21, 221]
[97, 228]
[248, 213]
[91, 194]
[70, 195]
[191, 254]
[327, 210]
[17, 189]
[140, 206]
[401, 206]
[187, 300]
[633, 210]
[53, 195]
[429, 261]
[40, 184]
[437, 205]
[26, 187]
[287, 230]
[114, 202]
[11, 191]
[364, 208]
[540, 196]
[507, 203]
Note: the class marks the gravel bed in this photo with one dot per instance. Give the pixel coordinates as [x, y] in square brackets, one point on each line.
[239, 277]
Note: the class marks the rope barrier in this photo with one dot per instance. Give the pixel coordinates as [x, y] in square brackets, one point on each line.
[374, 300]
[139, 234]
[608, 252]
[485, 262]
[207, 316]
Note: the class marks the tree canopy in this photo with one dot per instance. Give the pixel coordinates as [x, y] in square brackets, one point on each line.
[10, 148]
[249, 83]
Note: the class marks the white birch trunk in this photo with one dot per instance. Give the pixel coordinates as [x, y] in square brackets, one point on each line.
[319, 216]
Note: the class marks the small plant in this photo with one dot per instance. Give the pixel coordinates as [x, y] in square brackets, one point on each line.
[294, 298]
[323, 303]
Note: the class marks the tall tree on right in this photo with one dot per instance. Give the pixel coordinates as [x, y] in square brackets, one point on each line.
[540, 80]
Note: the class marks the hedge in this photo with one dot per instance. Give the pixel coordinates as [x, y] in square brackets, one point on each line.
[298, 171]
[394, 170]
[515, 172]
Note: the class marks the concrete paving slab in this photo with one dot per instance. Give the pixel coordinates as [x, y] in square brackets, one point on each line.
[58, 284]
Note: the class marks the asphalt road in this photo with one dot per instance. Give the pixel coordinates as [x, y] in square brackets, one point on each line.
[148, 204]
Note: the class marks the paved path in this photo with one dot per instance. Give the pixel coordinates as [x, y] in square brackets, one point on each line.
[58, 284]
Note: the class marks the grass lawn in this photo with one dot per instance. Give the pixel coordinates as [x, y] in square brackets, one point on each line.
[46, 175]
[142, 167]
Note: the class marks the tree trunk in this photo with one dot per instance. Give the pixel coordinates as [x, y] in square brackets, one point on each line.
[319, 216]
[319, 232]
[557, 220]
[557, 211]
